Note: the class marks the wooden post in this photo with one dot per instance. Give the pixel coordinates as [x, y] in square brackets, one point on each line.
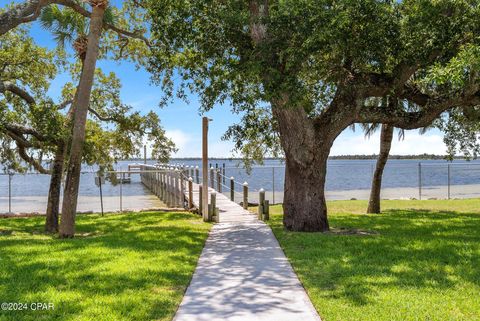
[245, 195]
[261, 200]
[266, 210]
[190, 193]
[197, 175]
[223, 173]
[167, 189]
[232, 189]
[219, 182]
[144, 154]
[212, 178]
[205, 167]
[212, 205]
[200, 199]
[217, 215]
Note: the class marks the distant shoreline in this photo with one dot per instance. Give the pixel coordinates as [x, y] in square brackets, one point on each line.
[339, 157]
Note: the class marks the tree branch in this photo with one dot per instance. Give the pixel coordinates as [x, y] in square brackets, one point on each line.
[30, 160]
[102, 118]
[403, 119]
[22, 130]
[30, 10]
[14, 89]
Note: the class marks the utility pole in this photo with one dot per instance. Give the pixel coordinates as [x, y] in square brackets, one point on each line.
[205, 121]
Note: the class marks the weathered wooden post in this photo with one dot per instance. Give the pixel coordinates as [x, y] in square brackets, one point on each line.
[212, 206]
[190, 193]
[223, 169]
[145, 154]
[261, 200]
[169, 188]
[178, 187]
[197, 175]
[182, 189]
[217, 215]
[245, 195]
[200, 199]
[266, 210]
[232, 189]
[162, 186]
[219, 182]
[212, 178]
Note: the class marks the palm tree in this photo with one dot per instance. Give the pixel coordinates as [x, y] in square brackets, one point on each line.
[66, 23]
[386, 137]
[80, 106]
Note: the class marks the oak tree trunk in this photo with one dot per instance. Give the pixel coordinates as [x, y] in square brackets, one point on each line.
[385, 145]
[81, 104]
[306, 152]
[53, 203]
[304, 203]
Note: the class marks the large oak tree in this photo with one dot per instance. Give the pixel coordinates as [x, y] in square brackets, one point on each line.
[317, 63]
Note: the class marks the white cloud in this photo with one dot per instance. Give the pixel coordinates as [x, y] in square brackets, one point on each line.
[186, 144]
[414, 143]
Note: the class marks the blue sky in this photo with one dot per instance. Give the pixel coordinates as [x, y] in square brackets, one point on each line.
[182, 121]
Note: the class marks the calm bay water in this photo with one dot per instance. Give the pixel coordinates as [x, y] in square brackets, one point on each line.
[343, 175]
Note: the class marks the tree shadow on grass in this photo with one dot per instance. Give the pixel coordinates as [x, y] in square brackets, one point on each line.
[130, 257]
[417, 249]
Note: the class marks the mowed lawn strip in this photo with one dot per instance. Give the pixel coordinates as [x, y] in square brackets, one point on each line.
[421, 262]
[133, 266]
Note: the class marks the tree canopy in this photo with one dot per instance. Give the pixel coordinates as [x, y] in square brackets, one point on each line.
[319, 64]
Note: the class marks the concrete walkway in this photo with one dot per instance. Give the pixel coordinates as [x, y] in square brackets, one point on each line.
[243, 275]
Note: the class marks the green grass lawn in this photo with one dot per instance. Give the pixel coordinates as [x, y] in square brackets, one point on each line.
[423, 263]
[121, 267]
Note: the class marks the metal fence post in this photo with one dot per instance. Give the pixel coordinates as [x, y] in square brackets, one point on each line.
[448, 170]
[273, 185]
[121, 191]
[10, 176]
[419, 181]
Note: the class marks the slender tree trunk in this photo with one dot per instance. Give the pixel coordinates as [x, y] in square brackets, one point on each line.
[385, 145]
[53, 204]
[70, 197]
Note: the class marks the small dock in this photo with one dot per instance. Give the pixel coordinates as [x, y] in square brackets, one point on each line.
[242, 273]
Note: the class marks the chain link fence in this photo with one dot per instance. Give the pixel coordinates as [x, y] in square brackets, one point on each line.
[28, 193]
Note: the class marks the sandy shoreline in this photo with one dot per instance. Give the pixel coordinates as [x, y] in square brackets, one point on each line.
[430, 192]
[38, 204]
